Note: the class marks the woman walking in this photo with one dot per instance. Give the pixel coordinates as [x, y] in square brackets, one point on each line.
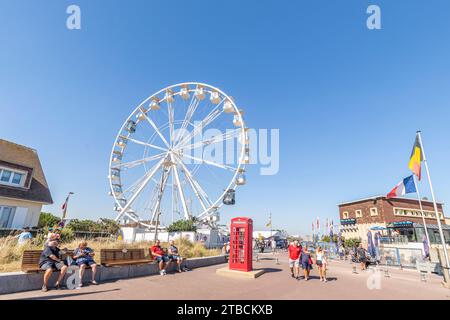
[306, 262]
[321, 264]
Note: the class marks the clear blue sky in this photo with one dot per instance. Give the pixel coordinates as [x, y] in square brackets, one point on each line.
[347, 100]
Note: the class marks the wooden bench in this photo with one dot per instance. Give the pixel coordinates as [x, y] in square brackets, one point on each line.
[120, 257]
[30, 260]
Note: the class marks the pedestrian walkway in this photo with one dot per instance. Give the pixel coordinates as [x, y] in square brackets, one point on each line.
[276, 283]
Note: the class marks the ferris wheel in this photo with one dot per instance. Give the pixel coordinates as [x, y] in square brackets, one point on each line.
[180, 154]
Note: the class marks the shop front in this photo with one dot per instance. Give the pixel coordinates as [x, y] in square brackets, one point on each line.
[415, 232]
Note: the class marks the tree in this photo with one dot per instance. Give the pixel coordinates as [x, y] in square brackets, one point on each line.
[352, 242]
[183, 225]
[47, 220]
[104, 225]
[326, 238]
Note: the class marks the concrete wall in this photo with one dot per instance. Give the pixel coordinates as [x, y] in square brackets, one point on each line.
[19, 281]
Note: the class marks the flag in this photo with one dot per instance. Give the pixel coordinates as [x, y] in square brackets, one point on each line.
[318, 223]
[312, 226]
[416, 158]
[269, 223]
[64, 206]
[405, 186]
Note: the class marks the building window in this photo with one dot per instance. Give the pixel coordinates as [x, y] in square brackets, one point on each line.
[415, 213]
[5, 176]
[373, 212]
[345, 215]
[6, 216]
[12, 178]
[358, 213]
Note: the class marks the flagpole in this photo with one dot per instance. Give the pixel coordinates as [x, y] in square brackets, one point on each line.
[421, 209]
[441, 234]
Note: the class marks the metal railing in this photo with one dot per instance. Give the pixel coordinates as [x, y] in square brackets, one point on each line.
[394, 240]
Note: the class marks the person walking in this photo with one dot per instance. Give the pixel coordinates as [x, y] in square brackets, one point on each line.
[361, 254]
[273, 244]
[306, 262]
[321, 264]
[294, 250]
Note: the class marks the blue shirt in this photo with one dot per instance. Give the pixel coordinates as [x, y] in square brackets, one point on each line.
[24, 236]
[83, 259]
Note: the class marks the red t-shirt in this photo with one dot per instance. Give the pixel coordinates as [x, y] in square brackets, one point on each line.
[158, 250]
[294, 251]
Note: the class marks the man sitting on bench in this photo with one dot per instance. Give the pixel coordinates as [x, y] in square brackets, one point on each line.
[160, 255]
[174, 256]
[51, 259]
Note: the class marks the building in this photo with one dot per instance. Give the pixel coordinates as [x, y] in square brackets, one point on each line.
[23, 188]
[401, 216]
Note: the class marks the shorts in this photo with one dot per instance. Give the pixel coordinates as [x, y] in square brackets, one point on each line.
[89, 262]
[294, 262]
[163, 258]
[306, 265]
[52, 265]
[319, 263]
[175, 257]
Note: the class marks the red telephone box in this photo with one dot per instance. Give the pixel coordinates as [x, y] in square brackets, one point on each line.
[241, 238]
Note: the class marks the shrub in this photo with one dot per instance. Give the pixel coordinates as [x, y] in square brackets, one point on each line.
[183, 225]
[48, 220]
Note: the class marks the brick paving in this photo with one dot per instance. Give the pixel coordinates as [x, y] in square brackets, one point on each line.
[276, 283]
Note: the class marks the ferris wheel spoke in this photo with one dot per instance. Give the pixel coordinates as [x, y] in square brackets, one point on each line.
[187, 119]
[215, 139]
[212, 115]
[171, 121]
[222, 166]
[146, 144]
[143, 185]
[180, 190]
[161, 187]
[135, 163]
[157, 130]
[198, 190]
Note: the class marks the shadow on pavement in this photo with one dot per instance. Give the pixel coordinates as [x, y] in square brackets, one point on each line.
[59, 296]
[268, 270]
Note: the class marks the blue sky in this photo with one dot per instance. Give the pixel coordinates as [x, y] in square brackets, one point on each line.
[347, 100]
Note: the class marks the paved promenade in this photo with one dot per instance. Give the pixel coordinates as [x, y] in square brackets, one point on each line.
[276, 283]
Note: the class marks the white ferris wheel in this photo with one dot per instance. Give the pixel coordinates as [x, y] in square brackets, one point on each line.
[171, 158]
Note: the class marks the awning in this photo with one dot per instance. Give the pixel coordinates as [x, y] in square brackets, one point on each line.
[408, 224]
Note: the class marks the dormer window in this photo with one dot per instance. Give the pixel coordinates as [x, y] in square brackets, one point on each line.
[12, 177]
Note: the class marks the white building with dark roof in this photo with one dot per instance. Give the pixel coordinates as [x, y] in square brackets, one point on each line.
[23, 188]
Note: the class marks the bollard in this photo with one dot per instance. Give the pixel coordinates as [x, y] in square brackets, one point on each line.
[386, 273]
[423, 277]
[278, 261]
[354, 270]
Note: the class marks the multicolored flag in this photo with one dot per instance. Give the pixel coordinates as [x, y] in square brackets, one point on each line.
[416, 158]
[64, 206]
[405, 186]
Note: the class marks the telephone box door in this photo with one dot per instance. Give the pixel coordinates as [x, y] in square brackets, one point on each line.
[241, 238]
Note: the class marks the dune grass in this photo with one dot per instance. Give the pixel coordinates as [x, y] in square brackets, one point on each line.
[11, 252]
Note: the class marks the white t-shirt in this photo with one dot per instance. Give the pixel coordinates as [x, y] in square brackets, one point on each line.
[319, 256]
